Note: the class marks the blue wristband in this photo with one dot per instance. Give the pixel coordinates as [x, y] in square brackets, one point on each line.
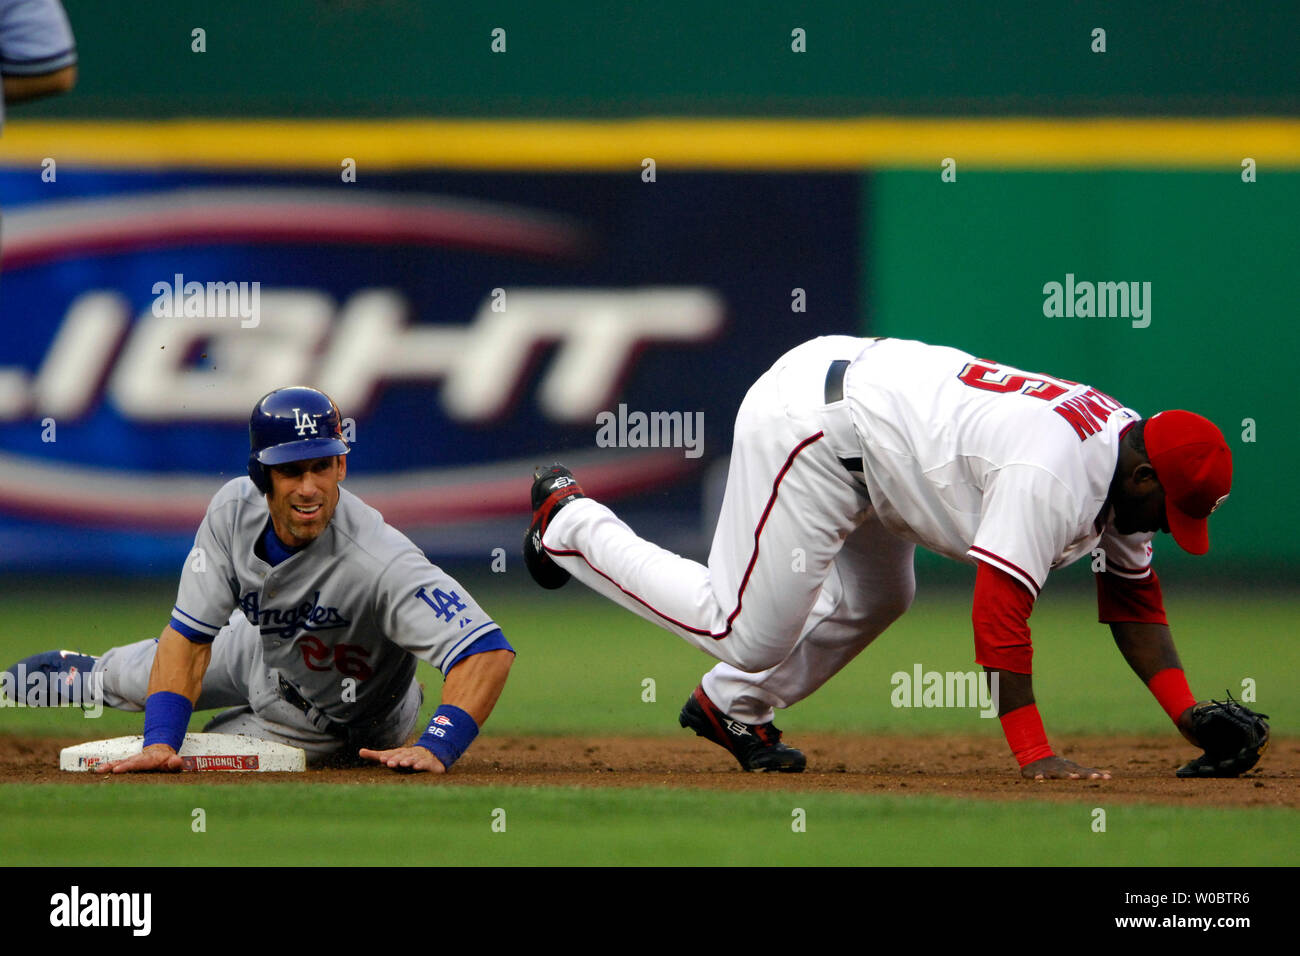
[166, 715]
[449, 734]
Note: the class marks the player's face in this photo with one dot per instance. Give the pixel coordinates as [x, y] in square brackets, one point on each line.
[303, 497]
[1140, 505]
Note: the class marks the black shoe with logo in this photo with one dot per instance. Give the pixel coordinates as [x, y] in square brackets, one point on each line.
[553, 488]
[755, 746]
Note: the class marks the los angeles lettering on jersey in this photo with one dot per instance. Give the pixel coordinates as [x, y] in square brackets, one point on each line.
[309, 615]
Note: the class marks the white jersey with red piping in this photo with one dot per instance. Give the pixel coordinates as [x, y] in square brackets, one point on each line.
[980, 461]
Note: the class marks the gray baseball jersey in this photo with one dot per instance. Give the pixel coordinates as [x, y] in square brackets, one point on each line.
[35, 39]
[357, 602]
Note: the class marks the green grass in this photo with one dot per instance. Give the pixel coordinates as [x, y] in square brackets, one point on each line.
[581, 668]
[582, 662]
[118, 824]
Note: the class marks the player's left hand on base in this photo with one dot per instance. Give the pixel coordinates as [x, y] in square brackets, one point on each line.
[1058, 768]
[155, 757]
[408, 759]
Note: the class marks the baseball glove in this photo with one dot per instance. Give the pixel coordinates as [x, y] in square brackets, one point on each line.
[1234, 737]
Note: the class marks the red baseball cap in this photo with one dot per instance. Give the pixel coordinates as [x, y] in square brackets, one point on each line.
[1194, 466]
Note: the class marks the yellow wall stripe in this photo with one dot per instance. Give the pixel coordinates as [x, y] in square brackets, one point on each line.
[672, 143]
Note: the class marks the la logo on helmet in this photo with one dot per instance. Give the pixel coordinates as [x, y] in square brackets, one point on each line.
[305, 423]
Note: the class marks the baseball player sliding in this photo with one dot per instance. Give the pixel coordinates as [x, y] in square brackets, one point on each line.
[302, 612]
[847, 454]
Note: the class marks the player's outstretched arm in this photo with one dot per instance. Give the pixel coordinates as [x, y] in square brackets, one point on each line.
[473, 687]
[1149, 650]
[1232, 735]
[178, 668]
[1000, 613]
[1015, 695]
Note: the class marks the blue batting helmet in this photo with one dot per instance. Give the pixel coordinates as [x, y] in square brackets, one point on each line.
[292, 424]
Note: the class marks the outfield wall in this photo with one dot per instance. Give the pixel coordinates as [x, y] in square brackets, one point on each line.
[589, 58]
[965, 263]
[793, 194]
[757, 261]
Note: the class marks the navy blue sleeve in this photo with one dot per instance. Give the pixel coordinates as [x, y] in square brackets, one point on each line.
[196, 636]
[491, 641]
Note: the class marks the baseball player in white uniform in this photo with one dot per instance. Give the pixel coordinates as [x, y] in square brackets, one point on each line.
[847, 454]
[302, 612]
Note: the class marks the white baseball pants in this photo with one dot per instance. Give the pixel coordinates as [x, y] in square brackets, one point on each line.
[801, 575]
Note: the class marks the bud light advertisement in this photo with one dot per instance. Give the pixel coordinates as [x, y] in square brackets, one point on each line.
[469, 326]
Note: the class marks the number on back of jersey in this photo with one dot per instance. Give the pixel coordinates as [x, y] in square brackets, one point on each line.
[1086, 412]
[444, 604]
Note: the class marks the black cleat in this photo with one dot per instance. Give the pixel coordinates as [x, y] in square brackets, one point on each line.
[756, 746]
[553, 488]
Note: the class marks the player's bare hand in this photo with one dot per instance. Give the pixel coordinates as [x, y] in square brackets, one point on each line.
[1058, 768]
[407, 759]
[155, 757]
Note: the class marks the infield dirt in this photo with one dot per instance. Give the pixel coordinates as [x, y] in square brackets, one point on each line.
[1142, 768]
